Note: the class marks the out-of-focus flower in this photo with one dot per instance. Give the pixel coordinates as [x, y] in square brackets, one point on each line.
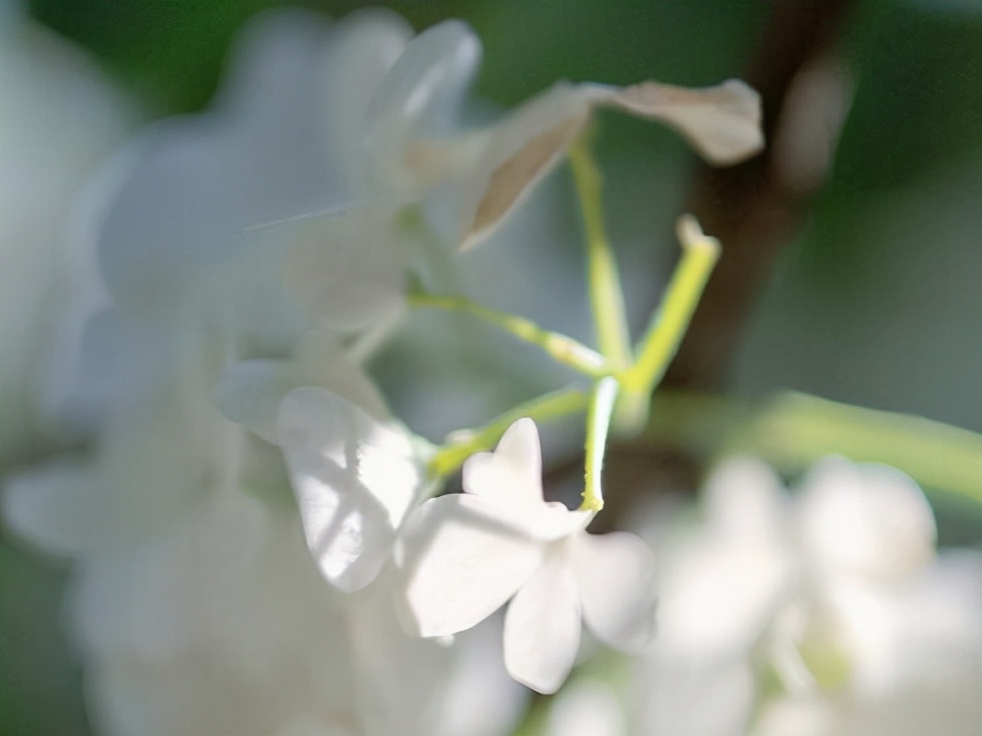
[823, 613]
[195, 603]
[586, 707]
[464, 555]
[58, 120]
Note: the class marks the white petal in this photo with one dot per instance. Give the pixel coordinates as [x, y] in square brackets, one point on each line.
[586, 708]
[346, 269]
[744, 498]
[420, 96]
[696, 696]
[461, 558]
[364, 46]
[50, 507]
[722, 123]
[171, 227]
[615, 574]
[512, 474]
[542, 627]
[354, 479]
[510, 478]
[869, 519]
[250, 392]
[499, 167]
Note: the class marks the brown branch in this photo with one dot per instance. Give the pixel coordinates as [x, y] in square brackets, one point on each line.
[755, 208]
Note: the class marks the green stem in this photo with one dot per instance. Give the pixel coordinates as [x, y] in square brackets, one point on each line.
[606, 297]
[597, 427]
[669, 323]
[562, 349]
[464, 443]
[793, 431]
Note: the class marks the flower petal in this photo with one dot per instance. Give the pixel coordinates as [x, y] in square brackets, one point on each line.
[251, 391]
[512, 474]
[50, 507]
[722, 123]
[354, 479]
[504, 163]
[615, 573]
[542, 627]
[868, 519]
[460, 559]
[419, 97]
[345, 269]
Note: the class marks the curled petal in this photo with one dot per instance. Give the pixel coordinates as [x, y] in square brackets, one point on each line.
[542, 627]
[615, 573]
[722, 123]
[500, 167]
[354, 477]
[494, 170]
[461, 558]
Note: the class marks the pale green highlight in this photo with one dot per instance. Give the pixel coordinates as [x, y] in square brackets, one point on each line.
[601, 408]
[792, 431]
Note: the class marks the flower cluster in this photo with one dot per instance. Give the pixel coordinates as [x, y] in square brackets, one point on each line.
[258, 542]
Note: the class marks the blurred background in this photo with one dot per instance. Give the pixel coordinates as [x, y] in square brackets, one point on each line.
[852, 264]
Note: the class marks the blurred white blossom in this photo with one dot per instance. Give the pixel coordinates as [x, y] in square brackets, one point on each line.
[59, 119]
[823, 612]
[194, 600]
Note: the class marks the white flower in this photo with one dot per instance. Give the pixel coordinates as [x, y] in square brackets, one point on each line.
[827, 612]
[464, 555]
[58, 121]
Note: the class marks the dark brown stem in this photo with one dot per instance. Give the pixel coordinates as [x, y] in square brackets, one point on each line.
[755, 208]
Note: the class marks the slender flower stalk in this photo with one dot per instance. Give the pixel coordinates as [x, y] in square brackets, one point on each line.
[606, 296]
[564, 350]
[598, 416]
[669, 323]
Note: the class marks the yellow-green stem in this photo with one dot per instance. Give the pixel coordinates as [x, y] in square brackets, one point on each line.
[606, 298]
[562, 349]
[464, 443]
[792, 431]
[601, 408]
[669, 323]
